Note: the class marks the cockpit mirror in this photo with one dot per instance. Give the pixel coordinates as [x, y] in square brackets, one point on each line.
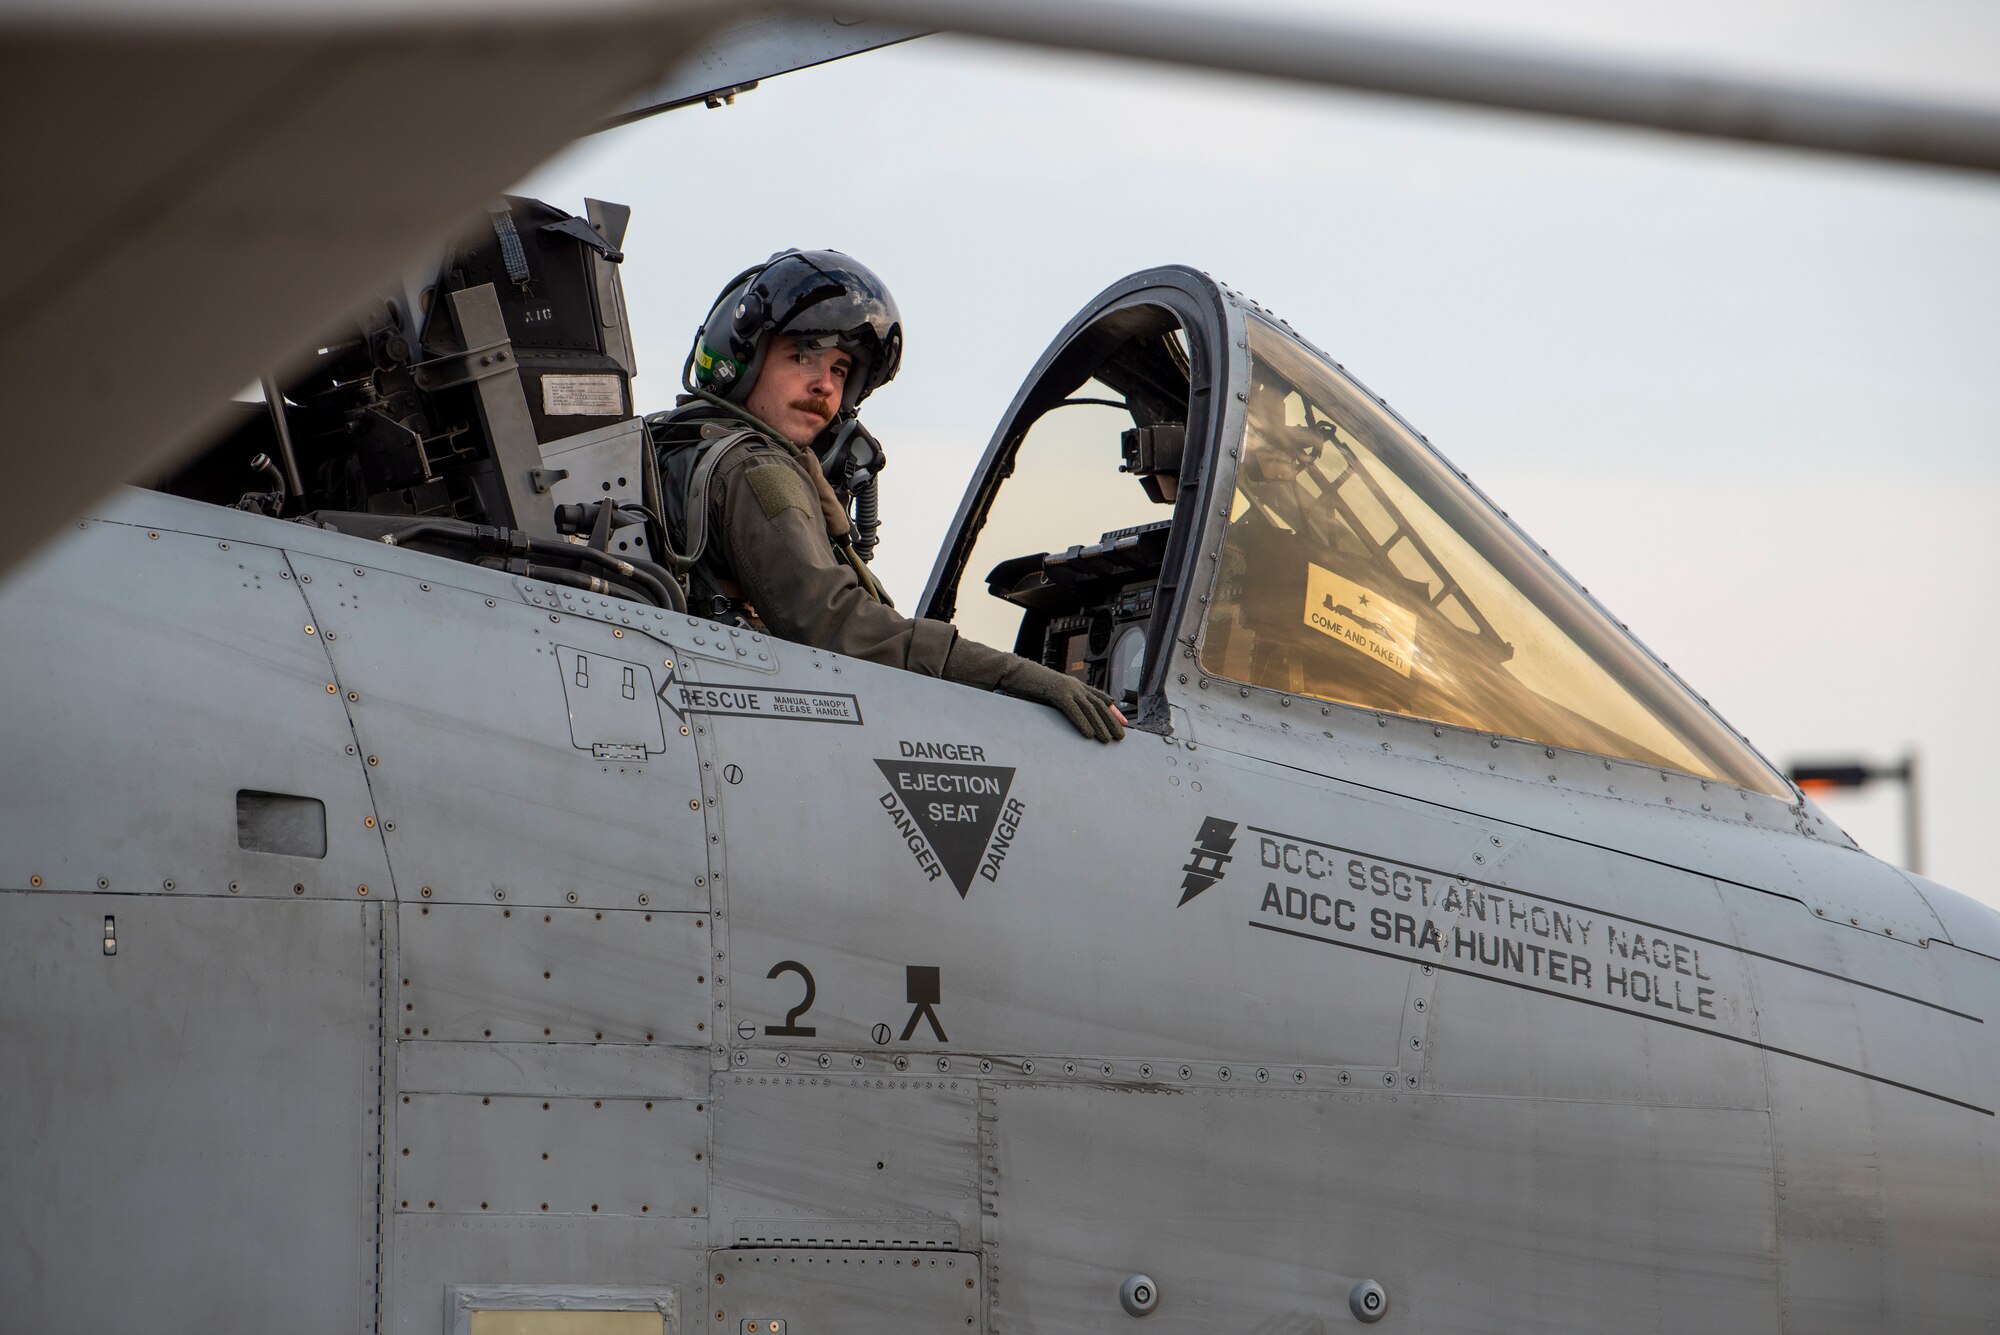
[1154, 454]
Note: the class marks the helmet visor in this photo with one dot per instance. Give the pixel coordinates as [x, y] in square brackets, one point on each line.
[826, 295]
[855, 321]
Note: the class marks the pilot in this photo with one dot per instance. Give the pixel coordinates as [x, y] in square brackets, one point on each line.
[774, 379]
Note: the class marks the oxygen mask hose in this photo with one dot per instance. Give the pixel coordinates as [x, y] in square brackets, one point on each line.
[867, 518]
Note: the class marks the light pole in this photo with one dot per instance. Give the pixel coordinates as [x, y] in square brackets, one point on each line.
[1821, 776]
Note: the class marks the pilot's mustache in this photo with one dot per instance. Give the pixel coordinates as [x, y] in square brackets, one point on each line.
[820, 408]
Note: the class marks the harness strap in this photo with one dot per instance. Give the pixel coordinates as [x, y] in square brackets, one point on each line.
[695, 520]
[696, 515]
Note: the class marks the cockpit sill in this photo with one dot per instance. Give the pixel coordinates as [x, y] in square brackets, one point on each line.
[1218, 710]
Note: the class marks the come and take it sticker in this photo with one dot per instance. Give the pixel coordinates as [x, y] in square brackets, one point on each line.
[953, 811]
[1361, 618]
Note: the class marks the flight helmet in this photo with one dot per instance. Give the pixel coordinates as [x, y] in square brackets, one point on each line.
[818, 294]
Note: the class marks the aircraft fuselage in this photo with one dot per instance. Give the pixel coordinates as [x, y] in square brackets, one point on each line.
[379, 929]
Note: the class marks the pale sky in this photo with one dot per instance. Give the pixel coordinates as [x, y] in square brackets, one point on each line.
[1747, 397]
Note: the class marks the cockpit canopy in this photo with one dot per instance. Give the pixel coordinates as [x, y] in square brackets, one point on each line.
[1315, 547]
[1357, 568]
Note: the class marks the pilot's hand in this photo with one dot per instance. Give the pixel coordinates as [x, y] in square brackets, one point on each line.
[1093, 713]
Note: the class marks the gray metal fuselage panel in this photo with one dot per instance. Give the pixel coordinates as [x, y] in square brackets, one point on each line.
[770, 983]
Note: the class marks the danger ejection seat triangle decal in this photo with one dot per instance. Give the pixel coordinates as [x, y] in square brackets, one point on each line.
[956, 807]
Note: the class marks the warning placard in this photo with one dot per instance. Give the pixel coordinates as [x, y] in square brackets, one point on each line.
[956, 809]
[1361, 618]
[582, 396]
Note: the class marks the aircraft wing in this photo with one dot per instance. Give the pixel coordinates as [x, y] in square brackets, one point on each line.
[197, 197]
[1658, 96]
[735, 58]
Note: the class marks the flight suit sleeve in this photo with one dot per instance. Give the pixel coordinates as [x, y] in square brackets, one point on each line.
[774, 540]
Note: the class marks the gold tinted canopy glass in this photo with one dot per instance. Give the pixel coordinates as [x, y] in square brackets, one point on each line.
[1359, 569]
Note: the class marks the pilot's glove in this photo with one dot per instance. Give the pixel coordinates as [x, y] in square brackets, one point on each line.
[1093, 712]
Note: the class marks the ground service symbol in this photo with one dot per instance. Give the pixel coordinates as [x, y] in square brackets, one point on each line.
[926, 991]
[1210, 854]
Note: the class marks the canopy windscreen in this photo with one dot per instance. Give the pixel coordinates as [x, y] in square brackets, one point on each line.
[1359, 569]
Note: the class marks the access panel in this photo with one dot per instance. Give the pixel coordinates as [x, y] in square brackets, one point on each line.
[843, 1291]
[517, 755]
[488, 973]
[1267, 1211]
[845, 1161]
[188, 1133]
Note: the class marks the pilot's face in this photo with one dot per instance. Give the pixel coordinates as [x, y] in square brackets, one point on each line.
[799, 387]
